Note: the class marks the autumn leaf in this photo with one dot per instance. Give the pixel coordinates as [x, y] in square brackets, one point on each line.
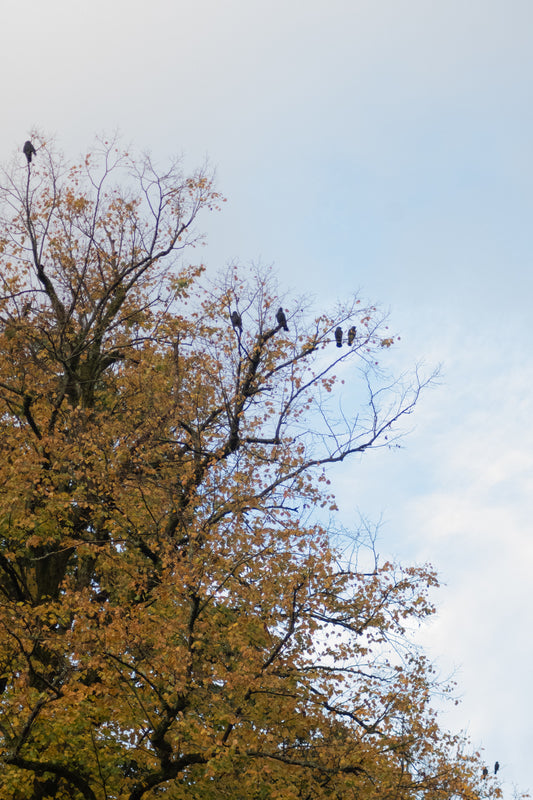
[174, 620]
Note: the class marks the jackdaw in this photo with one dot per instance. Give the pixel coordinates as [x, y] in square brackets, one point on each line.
[236, 320]
[281, 318]
[28, 150]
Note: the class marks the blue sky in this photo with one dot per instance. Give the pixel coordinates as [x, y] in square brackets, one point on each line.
[377, 145]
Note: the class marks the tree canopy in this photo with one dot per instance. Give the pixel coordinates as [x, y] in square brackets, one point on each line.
[175, 619]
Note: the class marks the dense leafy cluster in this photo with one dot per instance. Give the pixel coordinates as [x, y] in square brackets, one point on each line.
[174, 621]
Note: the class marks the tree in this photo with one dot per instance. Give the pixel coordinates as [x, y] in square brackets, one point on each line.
[174, 620]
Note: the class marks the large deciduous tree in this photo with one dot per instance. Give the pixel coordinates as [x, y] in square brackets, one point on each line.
[174, 621]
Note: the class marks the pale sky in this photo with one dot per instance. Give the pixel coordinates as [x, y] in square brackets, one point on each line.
[381, 145]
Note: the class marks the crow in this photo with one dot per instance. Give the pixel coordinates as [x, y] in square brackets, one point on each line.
[236, 320]
[28, 150]
[338, 336]
[351, 335]
[281, 319]
[496, 767]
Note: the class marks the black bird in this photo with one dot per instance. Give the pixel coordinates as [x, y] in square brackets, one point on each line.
[338, 336]
[485, 772]
[281, 318]
[28, 150]
[351, 335]
[236, 320]
[496, 767]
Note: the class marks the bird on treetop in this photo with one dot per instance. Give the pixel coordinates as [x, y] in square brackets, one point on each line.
[351, 335]
[236, 320]
[338, 336]
[281, 319]
[28, 150]
[496, 767]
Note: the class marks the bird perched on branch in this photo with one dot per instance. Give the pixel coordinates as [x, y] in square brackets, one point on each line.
[485, 772]
[338, 336]
[28, 150]
[281, 319]
[236, 321]
[351, 335]
[496, 767]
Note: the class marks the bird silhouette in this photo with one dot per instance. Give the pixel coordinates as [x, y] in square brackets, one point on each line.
[338, 336]
[28, 150]
[496, 767]
[281, 318]
[485, 772]
[351, 335]
[236, 320]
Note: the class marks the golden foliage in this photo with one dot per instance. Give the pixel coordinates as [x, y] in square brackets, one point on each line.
[173, 620]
